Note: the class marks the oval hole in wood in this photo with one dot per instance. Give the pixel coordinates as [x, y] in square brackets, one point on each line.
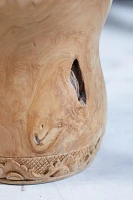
[78, 82]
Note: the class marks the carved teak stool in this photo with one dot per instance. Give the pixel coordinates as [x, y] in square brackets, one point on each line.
[52, 92]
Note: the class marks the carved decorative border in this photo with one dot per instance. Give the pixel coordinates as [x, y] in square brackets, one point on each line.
[45, 168]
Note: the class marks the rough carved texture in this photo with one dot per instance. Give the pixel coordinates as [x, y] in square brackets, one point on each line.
[52, 93]
[44, 169]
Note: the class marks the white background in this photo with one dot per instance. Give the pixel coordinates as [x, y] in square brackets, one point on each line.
[110, 176]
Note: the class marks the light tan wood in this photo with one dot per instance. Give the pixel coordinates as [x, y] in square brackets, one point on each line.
[52, 92]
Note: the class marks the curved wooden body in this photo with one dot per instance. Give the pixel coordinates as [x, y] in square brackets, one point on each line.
[52, 92]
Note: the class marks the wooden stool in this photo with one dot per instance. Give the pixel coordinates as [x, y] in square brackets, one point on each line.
[52, 92]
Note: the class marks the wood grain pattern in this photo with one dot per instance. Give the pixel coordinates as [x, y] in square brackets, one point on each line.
[52, 92]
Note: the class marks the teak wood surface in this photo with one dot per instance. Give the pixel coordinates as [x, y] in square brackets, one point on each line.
[52, 92]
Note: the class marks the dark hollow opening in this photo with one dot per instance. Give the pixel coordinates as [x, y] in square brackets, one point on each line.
[78, 82]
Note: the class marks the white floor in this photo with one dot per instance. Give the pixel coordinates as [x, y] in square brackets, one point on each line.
[110, 176]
